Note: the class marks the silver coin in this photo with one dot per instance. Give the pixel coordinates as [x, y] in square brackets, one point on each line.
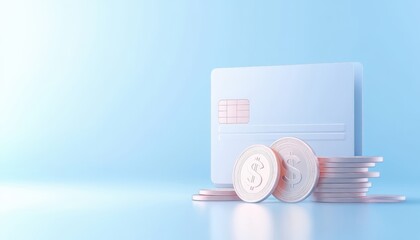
[199, 197]
[256, 173]
[351, 175]
[346, 165]
[343, 180]
[342, 170]
[365, 199]
[338, 195]
[299, 169]
[341, 190]
[344, 185]
[218, 192]
[353, 159]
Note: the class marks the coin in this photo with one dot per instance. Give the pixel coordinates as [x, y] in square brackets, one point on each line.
[341, 170]
[365, 199]
[256, 173]
[338, 195]
[340, 190]
[199, 197]
[299, 169]
[351, 175]
[344, 185]
[218, 192]
[353, 159]
[346, 165]
[342, 180]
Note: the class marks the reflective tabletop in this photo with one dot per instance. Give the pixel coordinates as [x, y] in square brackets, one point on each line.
[131, 211]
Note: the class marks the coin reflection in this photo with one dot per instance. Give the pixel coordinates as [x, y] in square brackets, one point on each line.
[294, 223]
[252, 221]
[268, 220]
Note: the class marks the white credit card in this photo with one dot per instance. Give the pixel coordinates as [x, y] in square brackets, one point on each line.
[319, 103]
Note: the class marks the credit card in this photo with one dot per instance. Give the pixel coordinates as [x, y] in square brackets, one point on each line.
[318, 103]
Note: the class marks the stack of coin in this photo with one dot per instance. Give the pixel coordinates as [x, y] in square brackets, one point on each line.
[290, 170]
[216, 194]
[346, 179]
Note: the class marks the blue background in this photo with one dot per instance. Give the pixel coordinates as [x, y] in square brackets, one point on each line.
[120, 90]
[105, 114]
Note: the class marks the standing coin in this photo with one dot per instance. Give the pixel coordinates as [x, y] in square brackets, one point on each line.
[299, 169]
[256, 173]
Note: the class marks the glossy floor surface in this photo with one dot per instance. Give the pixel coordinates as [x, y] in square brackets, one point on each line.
[130, 211]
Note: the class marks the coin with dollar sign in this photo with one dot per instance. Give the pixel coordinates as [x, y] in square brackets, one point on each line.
[256, 173]
[299, 169]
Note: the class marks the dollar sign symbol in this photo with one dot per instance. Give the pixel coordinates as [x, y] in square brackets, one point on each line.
[255, 179]
[293, 175]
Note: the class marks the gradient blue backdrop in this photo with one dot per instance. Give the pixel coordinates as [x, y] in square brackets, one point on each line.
[120, 90]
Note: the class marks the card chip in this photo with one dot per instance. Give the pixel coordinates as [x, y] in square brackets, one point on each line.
[233, 111]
